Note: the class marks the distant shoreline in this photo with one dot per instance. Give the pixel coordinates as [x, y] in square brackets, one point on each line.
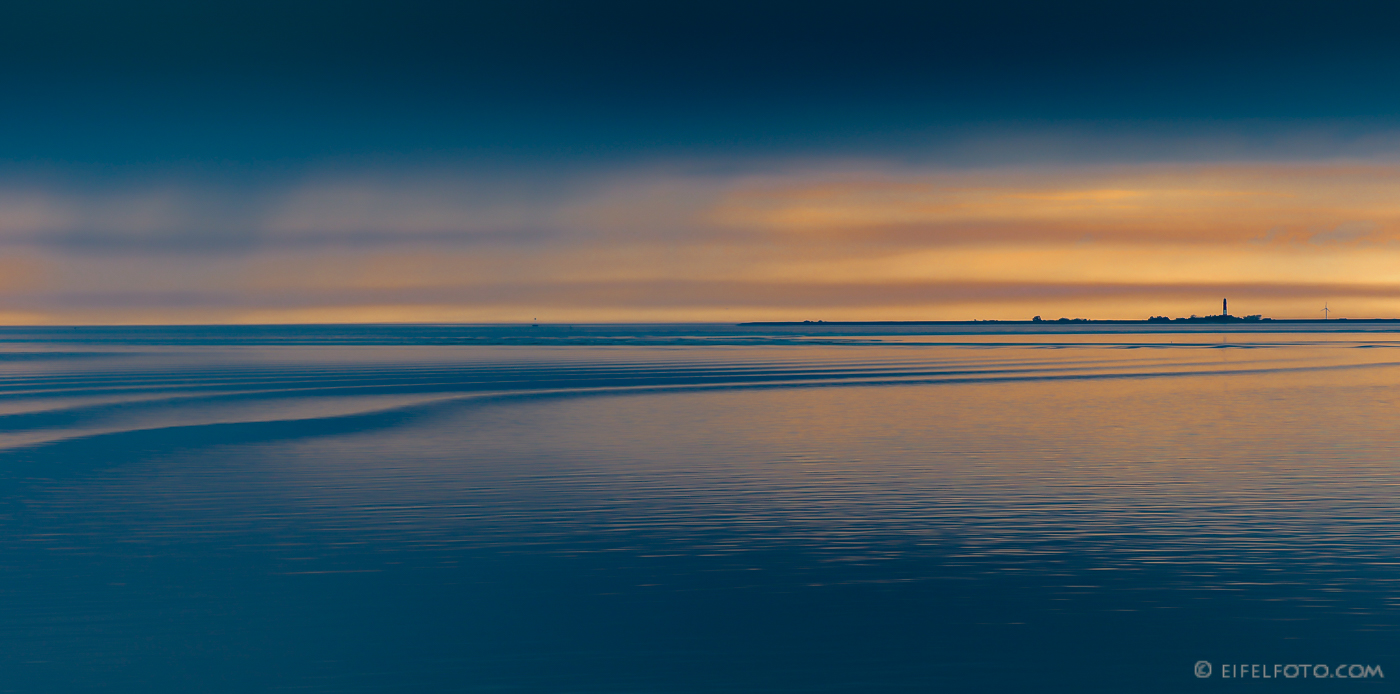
[1085, 321]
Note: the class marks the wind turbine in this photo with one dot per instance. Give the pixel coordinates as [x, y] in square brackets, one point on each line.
[1325, 314]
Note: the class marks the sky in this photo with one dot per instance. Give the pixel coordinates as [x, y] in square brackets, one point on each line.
[287, 162]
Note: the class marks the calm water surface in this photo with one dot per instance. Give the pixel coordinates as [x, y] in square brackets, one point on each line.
[695, 508]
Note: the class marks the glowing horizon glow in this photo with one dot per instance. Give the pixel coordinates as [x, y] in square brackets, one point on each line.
[835, 241]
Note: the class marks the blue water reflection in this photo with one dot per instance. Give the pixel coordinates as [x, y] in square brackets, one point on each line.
[692, 509]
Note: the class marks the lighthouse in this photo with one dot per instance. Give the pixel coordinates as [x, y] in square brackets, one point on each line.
[1224, 307]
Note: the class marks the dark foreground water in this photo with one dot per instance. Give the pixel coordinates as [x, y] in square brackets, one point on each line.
[696, 509]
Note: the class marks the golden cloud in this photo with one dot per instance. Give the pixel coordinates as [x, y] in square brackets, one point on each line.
[840, 240]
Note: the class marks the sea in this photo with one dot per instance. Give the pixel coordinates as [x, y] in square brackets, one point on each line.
[700, 508]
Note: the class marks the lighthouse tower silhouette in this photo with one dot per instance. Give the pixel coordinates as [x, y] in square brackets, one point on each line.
[1224, 307]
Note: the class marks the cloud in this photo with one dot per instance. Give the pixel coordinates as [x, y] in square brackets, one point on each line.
[1346, 232]
[836, 204]
[211, 220]
[847, 236]
[1142, 204]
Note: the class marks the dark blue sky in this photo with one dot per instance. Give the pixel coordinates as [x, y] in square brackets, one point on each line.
[285, 83]
[259, 161]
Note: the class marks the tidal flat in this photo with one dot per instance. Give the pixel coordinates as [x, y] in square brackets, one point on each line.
[694, 508]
